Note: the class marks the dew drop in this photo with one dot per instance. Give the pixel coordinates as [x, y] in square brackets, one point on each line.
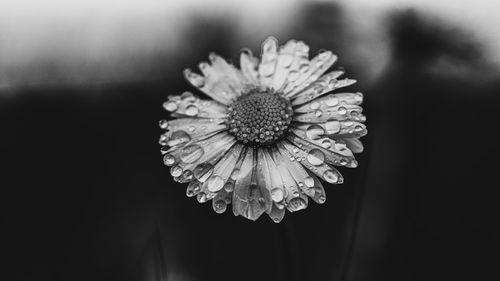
[191, 153]
[326, 143]
[322, 199]
[201, 197]
[267, 69]
[170, 106]
[168, 160]
[277, 194]
[215, 183]
[235, 174]
[203, 171]
[309, 182]
[193, 188]
[330, 176]
[315, 132]
[187, 176]
[342, 110]
[318, 113]
[192, 110]
[229, 186]
[332, 127]
[293, 76]
[358, 128]
[316, 157]
[314, 105]
[176, 171]
[332, 100]
[163, 124]
[297, 204]
[178, 137]
[220, 206]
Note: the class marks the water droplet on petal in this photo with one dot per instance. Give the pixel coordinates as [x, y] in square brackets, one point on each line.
[322, 199]
[168, 160]
[316, 157]
[170, 106]
[191, 153]
[318, 113]
[297, 204]
[314, 105]
[277, 194]
[203, 171]
[342, 110]
[332, 127]
[326, 143]
[315, 132]
[309, 182]
[220, 206]
[215, 183]
[293, 76]
[330, 176]
[332, 100]
[201, 197]
[176, 171]
[235, 174]
[192, 110]
[285, 60]
[229, 186]
[163, 124]
[178, 137]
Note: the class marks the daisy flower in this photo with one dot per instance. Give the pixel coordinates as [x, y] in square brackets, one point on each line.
[269, 132]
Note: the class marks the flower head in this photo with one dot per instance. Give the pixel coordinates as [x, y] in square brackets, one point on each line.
[270, 131]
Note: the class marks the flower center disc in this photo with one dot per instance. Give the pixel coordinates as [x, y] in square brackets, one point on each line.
[259, 117]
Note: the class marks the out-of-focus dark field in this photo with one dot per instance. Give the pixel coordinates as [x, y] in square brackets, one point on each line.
[85, 195]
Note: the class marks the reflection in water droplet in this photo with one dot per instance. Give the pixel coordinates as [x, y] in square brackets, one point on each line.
[297, 204]
[330, 176]
[178, 137]
[309, 182]
[169, 160]
[316, 157]
[192, 110]
[187, 176]
[176, 171]
[315, 132]
[343, 161]
[277, 194]
[191, 153]
[215, 183]
[322, 199]
[332, 100]
[203, 171]
[220, 206]
[332, 127]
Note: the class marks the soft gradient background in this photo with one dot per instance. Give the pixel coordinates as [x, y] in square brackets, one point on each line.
[85, 196]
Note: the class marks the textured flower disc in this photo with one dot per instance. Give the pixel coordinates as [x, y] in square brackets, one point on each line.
[268, 135]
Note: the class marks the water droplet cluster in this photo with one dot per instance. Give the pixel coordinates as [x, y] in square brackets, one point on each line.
[259, 117]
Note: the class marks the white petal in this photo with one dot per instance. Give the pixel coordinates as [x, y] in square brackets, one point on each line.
[339, 112]
[248, 65]
[221, 81]
[323, 85]
[354, 144]
[317, 155]
[268, 60]
[249, 199]
[331, 100]
[320, 168]
[317, 66]
[191, 106]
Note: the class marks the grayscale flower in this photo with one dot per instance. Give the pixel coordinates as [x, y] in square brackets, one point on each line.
[270, 131]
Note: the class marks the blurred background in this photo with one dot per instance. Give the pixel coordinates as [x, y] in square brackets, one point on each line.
[85, 195]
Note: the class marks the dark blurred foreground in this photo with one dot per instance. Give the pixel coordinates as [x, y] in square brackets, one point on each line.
[85, 195]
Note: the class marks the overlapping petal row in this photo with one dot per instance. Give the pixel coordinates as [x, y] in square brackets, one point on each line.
[324, 133]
